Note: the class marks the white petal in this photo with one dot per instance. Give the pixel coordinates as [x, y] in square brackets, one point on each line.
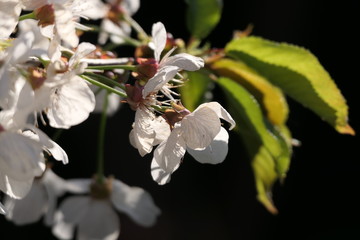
[14, 188]
[55, 48]
[99, 222]
[48, 31]
[82, 51]
[9, 17]
[214, 153]
[28, 209]
[184, 61]
[31, 4]
[162, 130]
[114, 102]
[130, 6]
[78, 186]
[65, 25]
[93, 9]
[21, 46]
[135, 202]
[117, 31]
[71, 211]
[200, 128]
[2, 209]
[20, 157]
[103, 34]
[58, 153]
[55, 187]
[55, 150]
[220, 111]
[163, 76]
[158, 33]
[158, 174]
[169, 153]
[72, 104]
[143, 135]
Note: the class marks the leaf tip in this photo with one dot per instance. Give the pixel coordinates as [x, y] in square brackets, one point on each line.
[346, 130]
[268, 204]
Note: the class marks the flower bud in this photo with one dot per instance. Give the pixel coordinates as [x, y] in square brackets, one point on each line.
[45, 15]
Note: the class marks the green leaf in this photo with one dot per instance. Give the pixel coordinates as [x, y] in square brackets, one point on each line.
[266, 145]
[298, 73]
[270, 97]
[202, 16]
[194, 90]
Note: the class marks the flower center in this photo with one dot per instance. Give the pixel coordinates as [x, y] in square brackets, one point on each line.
[101, 190]
[36, 77]
[176, 114]
[146, 69]
[115, 12]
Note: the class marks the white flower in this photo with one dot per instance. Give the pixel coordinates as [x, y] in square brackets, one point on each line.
[41, 201]
[95, 216]
[169, 66]
[199, 131]
[66, 98]
[148, 129]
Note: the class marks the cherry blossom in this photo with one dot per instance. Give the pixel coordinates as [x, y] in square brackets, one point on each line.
[199, 131]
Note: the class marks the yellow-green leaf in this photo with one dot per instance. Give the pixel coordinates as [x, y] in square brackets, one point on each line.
[265, 175]
[194, 90]
[298, 73]
[266, 145]
[270, 97]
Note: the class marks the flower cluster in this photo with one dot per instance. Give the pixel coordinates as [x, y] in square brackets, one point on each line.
[50, 76]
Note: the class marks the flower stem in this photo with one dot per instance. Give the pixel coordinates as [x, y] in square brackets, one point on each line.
[141, 33]
[104, 86]
[57, 134]
[105, 80]
[27, 16]
[127, 40]
[101, 140]
[112, 67]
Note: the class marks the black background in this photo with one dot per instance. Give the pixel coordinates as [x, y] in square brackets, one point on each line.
[318, 199]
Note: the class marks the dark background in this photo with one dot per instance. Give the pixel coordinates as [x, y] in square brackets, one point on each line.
[318, 199]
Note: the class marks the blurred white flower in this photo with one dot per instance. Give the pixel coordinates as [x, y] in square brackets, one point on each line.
[40, 202]
[114, 25]
[114, 102]
[60, 18]
[95, 217]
